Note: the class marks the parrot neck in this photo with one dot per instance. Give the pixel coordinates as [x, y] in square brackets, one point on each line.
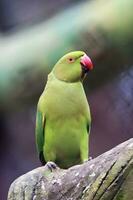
[52, 76]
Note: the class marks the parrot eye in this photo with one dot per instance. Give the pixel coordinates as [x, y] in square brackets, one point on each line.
[71, 60]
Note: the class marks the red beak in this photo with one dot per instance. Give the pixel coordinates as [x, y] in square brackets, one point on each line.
[86, 62]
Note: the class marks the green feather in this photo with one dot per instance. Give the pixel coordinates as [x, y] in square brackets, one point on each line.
[39, 131]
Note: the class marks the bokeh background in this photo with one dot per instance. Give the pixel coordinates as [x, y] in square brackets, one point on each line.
[33, 36]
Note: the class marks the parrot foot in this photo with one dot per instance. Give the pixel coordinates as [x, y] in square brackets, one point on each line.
[51, 166]
[90, 158]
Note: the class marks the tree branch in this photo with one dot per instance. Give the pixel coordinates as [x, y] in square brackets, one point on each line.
[107, 177]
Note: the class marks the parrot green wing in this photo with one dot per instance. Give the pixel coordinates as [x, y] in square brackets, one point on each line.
[40, 125]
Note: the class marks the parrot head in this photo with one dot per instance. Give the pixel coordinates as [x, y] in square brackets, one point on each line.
[73, 67]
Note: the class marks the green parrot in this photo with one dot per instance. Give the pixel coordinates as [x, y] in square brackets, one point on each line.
[63, 116]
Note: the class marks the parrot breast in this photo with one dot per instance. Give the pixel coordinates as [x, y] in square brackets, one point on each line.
[67, 112]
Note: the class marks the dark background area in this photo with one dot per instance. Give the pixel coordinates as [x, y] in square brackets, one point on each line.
[109, 87]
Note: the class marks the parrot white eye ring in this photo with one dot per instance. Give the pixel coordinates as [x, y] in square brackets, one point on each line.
[71, 60]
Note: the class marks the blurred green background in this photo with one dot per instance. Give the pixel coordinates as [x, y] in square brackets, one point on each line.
[33, 36]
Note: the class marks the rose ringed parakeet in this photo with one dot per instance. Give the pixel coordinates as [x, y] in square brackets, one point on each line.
[63, 115]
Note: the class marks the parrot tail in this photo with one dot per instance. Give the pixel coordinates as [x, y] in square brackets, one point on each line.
[41, 157]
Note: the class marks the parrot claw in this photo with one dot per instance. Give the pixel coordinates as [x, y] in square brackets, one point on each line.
[51, 166]
[90, 158]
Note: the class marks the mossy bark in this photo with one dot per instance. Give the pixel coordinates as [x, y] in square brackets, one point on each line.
[107, 177]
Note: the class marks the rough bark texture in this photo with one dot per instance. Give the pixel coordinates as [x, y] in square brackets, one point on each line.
[107, 177]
